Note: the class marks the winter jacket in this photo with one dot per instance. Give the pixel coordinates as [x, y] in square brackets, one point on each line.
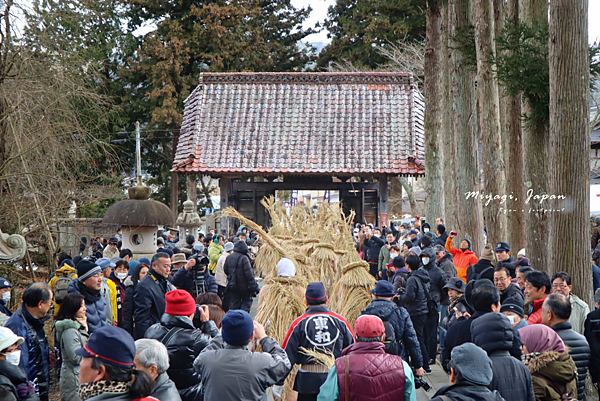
[403, 328]
[535, 317]
[109, 290]
[493, 333]
[558, 367]
[384, 257]
[414, 299]
[233, 373]
[438, 278]
[592, 335]
[35, 357]
[96, 310]
[514, 292]
[10, 377]
[72, 336]
[239, 262]
[374, 245]
[219, 273]
[441, 240]
[5, 313]
[110, 253]
[508, 263]
[185, 345]
[465, 391]
[446, 263]
[108, 396]
[480, 267]
[451, 319]
[462, 259]
[596, 277]
[214, 253]
[399, 278]
[595, 236]
[186, 280]
[149, 301]
[579, 351]
[460, 333]
[120, 298]
[164, 389]
[65, 270]
[128, 306]
[316, 326]
[579, 312]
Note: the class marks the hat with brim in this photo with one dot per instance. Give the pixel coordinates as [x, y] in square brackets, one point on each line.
[8, 338]
[111, 345]
[398, 262]
[179, 258]
[456, 284]
[383, 289]
[105, 263]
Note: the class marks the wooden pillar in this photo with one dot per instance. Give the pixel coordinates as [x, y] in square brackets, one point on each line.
[192, 189]
[383, 201]
[174, 192]
[226, 189]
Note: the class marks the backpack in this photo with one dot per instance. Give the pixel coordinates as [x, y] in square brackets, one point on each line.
[391, 344]
[478, 276]
[61, 287]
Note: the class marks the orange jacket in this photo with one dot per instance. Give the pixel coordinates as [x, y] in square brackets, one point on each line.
[462, 259]
[536, 314]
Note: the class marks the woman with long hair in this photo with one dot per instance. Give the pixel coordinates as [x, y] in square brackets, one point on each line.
[72, 333]
[139, 272]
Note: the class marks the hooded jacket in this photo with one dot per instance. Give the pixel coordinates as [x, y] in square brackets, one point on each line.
[35, 358]
[149, 301]
[437, 276]
[465, 391]
[239, 262]
[579, 351]
[399, 278]
[414, 299]
[558, 367]
[494, 334]
[403, 328]
[65, 270]
[446, 263]
[10, 377]
[96, 310]
[185, 345]
[214, 253]
[462, 259]
[479, 267]
[128, 306]
[441, 240]
[71, 335]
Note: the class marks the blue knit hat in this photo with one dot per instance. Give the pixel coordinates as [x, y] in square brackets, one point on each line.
[237, 327]
[315, 294]
[111, 345]
[146, 261]
[132, 265]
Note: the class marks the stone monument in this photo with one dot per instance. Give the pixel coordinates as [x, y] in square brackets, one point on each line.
[188, 222]
[12, 247]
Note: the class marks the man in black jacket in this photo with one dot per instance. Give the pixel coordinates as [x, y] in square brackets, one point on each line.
[484, 297]
[149, 294]
[592, 335]
[183, 341]
[241, 283]
[374, 243]
[507, 289]
[484, 268]
[415, 302]
[195, 279]
[494, 334]
[556, 312]
[438, 295]
[442, 235]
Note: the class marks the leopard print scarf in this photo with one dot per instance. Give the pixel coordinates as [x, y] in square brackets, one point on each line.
[92, 389]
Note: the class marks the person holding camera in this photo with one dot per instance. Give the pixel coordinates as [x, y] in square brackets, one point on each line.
[241, 283]
[194, 277]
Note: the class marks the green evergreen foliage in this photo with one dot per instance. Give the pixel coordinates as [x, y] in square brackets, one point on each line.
[358, 28]
[464, 42]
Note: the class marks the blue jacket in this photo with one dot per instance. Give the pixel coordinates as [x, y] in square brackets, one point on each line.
[185, 280]
[403, 327]
[35, 358]
[96, 311]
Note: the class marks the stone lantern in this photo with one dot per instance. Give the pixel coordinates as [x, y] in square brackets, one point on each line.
[188, 222]
[139, 218]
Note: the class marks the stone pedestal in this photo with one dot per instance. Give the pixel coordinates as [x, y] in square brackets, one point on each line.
[188, 222]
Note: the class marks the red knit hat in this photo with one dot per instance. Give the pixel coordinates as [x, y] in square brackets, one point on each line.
[180, 303]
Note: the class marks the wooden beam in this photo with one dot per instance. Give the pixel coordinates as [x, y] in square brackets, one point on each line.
[383, 201]
[285, 186]
[192, 189]
[226, 191]
[174, 192]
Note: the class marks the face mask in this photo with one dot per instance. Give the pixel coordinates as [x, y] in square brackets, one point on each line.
[121, 276]
[512, 320]
[426, 229]
[393, 255]
[6, 296]
[13, 357]
[425, 261]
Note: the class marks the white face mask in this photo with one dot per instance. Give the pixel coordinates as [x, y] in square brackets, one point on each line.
[13, 357]
[393, 255]
[425, 261]
[426, 229]
[121, 276]
[6, 296]
[512, 320]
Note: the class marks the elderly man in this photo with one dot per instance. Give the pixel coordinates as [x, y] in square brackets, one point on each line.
[471, 371]
[152, 357]
[506, 288]
[561, 284]
[89, 284]
[555, 314]
[366, 372]
[592, 334]
[149, 294]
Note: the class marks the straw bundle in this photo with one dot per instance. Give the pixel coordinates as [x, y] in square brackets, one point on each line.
[319, 356]
[352, 292]
[323, 259]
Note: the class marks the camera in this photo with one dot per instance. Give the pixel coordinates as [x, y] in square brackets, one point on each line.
[198, 272]
[422, 383]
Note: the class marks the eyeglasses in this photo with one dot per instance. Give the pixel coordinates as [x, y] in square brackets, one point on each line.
[559, 286]
[500, 279]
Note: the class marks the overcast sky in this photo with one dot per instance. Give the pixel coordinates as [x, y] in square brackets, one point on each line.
[319, 13]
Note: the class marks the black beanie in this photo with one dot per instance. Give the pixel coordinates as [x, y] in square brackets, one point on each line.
[413, 261]
[86, 269]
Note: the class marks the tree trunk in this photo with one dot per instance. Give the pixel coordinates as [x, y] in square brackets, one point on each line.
[489, 117]
[434, 185]
[535, 161]
[515, 232]
[570, 142]
[411, 196]
[395, 198]
[469, 222]
[192, 189]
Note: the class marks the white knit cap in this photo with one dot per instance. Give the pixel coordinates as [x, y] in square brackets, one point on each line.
[8, 338]
[521, 252]
[286, 268]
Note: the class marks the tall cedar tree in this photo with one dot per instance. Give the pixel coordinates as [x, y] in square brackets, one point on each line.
[357, 28]
[192, 37]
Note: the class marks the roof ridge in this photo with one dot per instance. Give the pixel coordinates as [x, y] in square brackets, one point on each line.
[317, 78]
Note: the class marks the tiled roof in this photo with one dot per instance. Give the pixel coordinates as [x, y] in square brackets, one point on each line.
[303, 123]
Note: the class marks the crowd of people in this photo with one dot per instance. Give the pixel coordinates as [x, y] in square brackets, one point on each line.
[176, 326]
